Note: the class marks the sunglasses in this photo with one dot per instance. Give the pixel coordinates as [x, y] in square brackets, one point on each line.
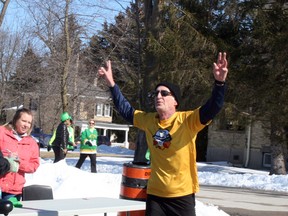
[91, 123]
[163, 93]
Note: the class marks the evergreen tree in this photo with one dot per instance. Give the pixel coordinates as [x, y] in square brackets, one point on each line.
[257, 32]
[179, 40]
[118, 42]
[28, 74]
[269, 38]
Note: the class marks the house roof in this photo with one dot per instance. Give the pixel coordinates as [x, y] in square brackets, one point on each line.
[87, 89]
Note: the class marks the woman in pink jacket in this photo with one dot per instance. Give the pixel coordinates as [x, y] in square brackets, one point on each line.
[20, 150]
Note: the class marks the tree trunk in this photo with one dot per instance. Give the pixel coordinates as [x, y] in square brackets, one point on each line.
[139, 71]
[152, 22]
[278, 166]
[3, 11]
[75, 90]
[151, 8]
[141, 149]
[67, 60]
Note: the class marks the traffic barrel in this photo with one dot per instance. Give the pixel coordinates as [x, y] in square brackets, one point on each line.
[134, 184]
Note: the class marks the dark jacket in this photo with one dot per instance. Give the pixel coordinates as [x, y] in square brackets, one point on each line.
[4, 165]
[62, 136]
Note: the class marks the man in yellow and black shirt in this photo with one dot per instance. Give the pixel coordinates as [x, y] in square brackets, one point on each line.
[171, 136]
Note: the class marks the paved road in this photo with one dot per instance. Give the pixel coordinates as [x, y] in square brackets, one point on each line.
[245, 202]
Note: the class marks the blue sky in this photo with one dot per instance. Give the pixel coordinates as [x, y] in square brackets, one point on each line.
[17, 17]
[91, 14]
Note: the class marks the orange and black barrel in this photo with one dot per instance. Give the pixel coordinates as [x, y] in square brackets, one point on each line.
[134, 185]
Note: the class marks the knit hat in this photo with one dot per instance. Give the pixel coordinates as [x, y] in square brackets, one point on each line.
[175, 89]
[65, 116]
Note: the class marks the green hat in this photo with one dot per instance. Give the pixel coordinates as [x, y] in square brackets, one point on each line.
[65, 116]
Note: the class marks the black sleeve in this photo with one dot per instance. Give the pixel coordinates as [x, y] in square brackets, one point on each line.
[122, 105]
[4, 165]
[209, 110]
[64, 137]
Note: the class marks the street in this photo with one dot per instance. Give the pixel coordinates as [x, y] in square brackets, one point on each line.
[245, 202]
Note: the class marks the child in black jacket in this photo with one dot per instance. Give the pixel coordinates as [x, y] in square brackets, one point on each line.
[4, 165]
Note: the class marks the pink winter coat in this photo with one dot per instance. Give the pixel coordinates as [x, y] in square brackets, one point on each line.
[28, 154]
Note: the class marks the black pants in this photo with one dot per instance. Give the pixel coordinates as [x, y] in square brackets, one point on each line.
[59, 154]
[6, 196]
[92, 161]
[176, 206]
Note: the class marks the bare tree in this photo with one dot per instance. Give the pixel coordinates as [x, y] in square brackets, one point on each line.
[52, 28]
[3, 10]
[57, 30]
[9, 50]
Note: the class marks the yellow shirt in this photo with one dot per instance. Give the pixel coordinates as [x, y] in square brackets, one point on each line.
[173, 152]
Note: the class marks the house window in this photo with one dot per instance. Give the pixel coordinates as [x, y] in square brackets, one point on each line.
[99, 109]
[82, 105]
[103, 110]
[267, 160]
[33, 105]
[107, 110]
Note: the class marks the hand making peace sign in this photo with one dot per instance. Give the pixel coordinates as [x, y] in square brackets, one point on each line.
[220, 69]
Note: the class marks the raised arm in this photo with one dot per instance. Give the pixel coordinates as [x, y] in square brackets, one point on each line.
[220, 70]
[122, 105]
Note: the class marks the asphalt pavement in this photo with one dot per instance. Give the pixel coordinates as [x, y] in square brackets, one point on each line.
[245, 202]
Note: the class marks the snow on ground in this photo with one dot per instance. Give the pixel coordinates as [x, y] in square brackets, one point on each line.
[70, 182]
